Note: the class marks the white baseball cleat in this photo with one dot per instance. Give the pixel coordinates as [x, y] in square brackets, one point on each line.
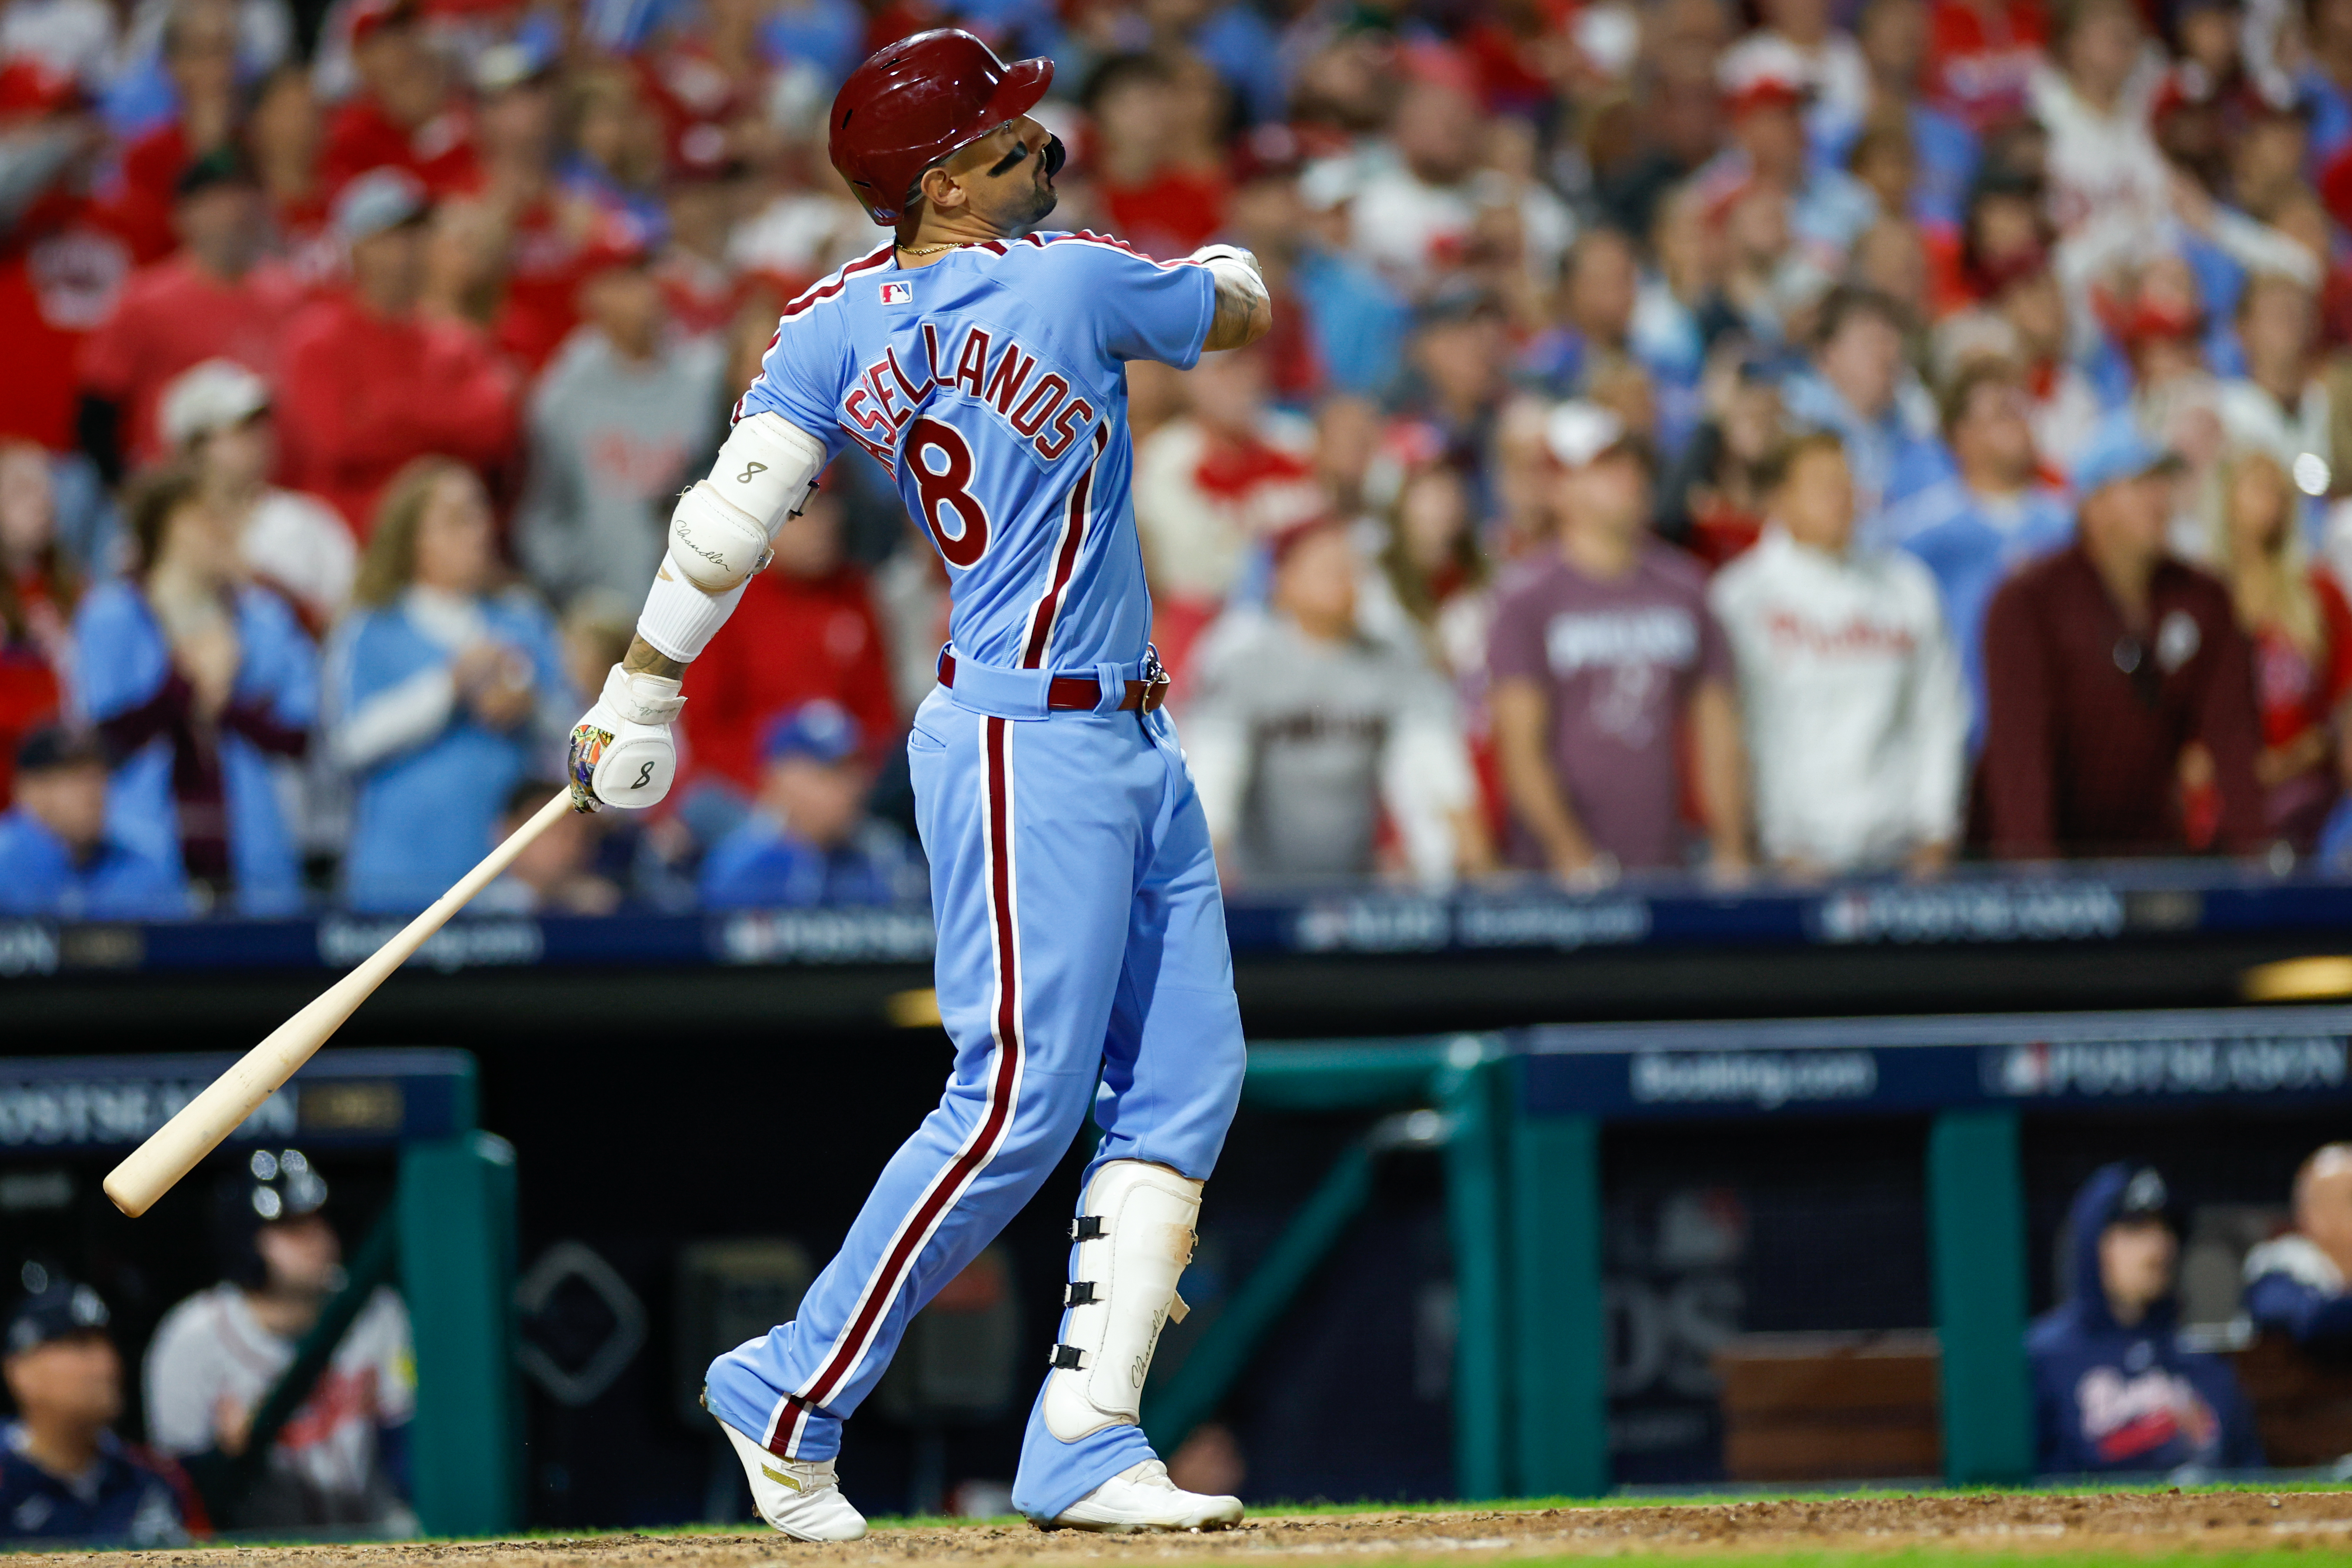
[1141, 1496]
[800, 1498]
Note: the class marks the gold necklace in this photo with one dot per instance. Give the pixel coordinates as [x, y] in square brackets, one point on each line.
[935, 249]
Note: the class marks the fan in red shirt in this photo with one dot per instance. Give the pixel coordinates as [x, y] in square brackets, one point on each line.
[211, 300]
[725, 76]
[1163, 197]
[1981, 53]
[403, 116]
[61, 262]
[1266, 216]
[199, 51]
[366, 385]
[2301, 632]
[551, 231]
[1523, 53]
[805, 629]
[38, 589]
[699, 281]
[284, 135]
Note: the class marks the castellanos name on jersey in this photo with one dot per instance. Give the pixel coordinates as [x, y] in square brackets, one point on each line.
[993, 384]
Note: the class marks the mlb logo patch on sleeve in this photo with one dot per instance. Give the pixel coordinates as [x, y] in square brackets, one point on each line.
[897, 293]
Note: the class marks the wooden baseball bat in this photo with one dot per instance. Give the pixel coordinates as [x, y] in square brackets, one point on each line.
[172, 1149]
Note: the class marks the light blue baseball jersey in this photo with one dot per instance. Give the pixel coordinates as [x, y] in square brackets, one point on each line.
[993, 384]
[1082, 961]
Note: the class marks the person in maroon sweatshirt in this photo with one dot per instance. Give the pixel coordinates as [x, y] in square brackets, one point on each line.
[2119, 691]
[365, 383]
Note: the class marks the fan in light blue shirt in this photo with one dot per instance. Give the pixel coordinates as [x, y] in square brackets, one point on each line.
[1991, 517]
[808, 842]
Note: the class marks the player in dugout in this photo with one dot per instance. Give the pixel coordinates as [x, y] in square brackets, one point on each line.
[341, 1459]
[1081, 933]
[65, 1477]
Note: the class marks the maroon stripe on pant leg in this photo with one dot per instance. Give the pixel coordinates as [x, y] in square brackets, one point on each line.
[943, 1190]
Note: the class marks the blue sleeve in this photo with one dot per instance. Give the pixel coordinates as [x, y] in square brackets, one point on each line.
[1138, 308]
[119, 657]
[802, 376]
[534, 631]
[280, 665]
[137, 887]
[1357, 323]
[2304, 1314]
[30, 868]
[2242, 1440]
[2056, 1420]
[753, 869]
[392, 1453]
[368, 654]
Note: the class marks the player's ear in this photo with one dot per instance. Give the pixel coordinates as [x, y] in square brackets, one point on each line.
[942, 190]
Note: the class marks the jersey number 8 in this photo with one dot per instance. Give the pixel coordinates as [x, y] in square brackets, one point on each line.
[947, 487]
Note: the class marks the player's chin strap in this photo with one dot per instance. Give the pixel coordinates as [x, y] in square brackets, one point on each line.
[1135, 1235]
[721, 532]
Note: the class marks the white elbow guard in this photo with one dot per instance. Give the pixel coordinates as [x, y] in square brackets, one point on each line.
[720, 533]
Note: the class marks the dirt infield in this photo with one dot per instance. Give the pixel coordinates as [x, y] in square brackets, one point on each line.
[2132, 1523]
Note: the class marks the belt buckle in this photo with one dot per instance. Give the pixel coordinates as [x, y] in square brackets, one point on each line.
[1155, 682]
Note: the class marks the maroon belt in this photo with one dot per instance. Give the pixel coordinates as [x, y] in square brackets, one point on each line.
[1082, 693]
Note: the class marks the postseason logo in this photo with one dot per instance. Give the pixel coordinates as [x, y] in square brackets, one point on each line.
[897, 293]
[2256, 1064]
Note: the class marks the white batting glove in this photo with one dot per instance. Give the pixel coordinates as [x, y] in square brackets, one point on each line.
[1211, 255]
[622, 752]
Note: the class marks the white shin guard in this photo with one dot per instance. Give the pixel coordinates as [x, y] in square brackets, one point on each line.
[1135, 1235]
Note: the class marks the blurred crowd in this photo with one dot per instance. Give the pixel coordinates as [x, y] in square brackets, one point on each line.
[1808, 440]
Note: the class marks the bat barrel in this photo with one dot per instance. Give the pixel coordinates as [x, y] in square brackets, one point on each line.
[178, 1146]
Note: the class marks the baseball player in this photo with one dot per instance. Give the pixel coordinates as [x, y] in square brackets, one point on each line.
[1082, 955]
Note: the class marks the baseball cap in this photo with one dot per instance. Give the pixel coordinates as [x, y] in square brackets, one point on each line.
[511, 64]
[1578, 432]
[616, 243]
[701, 152]
[217, 395]
[55, 746]
[2144, 1196]
[1763, 73]
[1271, 151]
[31, 86]
[823, 730]
[57, 1312]
[2119, 450]
[370, 18]
[377, 201]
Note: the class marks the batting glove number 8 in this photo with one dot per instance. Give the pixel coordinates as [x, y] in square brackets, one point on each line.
[622, 751]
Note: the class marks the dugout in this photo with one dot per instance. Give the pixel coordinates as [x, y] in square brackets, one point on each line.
[1716, 1216]
[422, 1199]
[1606, 1188]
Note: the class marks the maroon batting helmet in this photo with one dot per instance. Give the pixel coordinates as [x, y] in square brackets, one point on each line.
[913, 103]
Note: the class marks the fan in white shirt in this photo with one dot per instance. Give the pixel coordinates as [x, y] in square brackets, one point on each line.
[1850, 687]
[216, 415]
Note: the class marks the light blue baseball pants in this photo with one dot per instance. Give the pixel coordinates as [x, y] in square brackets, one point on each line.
[1081, 952]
